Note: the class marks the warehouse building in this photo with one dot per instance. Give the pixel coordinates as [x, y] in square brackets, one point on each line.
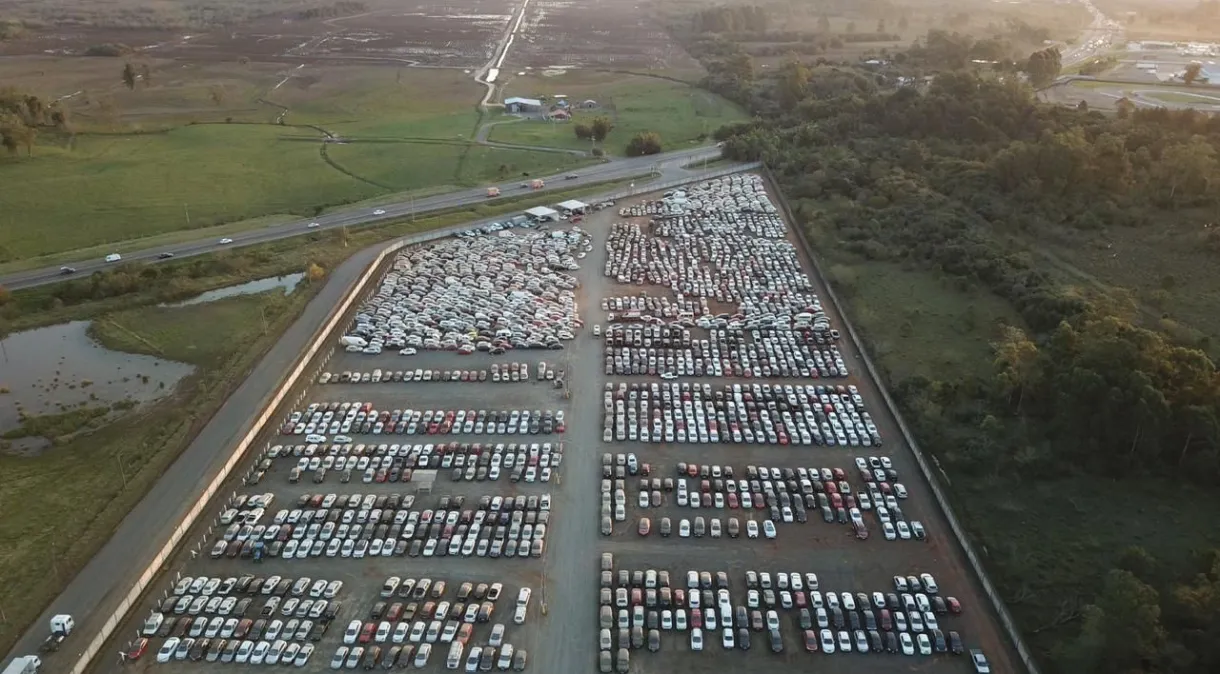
[517, 104]
[543, 214]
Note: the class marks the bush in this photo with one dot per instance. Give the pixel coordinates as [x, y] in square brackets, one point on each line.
[644, 144]
[111, 49]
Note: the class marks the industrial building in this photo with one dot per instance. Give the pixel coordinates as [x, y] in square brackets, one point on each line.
[518, 104]
[542, 214]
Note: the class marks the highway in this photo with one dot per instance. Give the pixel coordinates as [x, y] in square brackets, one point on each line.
[1097, 39]
[668, 165]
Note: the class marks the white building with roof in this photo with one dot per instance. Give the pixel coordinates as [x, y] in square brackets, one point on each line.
[572, 206]
[542, 214]
[518, 104]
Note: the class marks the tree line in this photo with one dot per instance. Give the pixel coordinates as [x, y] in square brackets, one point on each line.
[24, 115]
[731, 19]
[937, 178]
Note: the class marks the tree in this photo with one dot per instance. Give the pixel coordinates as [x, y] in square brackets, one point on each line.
[1185, 170]
[600, 128]
[1043, 66]
[824, 24]
[644, 143]
[1017, 363]
[5, 296]
[582, 131]
[793, 82]
[1192, 72]
[1131, 621]
[129, 76]
[1124, 107]
[146, 75]
[881, 26]
[903, 23]
[314, 272]
[217, 93]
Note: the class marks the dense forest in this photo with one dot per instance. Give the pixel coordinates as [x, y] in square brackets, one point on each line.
[937, 174]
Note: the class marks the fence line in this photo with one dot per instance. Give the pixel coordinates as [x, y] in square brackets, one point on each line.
[959, 531]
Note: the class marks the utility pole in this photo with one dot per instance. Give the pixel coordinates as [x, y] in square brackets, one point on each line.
[187, 209]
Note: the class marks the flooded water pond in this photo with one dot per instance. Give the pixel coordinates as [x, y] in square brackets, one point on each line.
[288, 283]
[56, 368]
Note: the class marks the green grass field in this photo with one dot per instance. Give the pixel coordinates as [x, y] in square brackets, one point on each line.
[57, 530]
[681, 114]
[919, 324]
[149, 163]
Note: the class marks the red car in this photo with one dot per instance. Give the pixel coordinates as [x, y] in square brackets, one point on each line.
[811, 641]
[645, 526]
[955, 606]
[137, 648]
[366, 633]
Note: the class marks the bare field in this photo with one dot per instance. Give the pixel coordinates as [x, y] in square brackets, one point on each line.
[560, 34]
[460, 35]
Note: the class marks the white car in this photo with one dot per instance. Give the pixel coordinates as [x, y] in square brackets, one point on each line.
[226, 240]
[314, 225]
[352, 633]
[908, 646]
[167, 650]
[929, 583]
[696, 639]
[379, 211]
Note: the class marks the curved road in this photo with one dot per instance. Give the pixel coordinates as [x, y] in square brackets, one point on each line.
[669, 165]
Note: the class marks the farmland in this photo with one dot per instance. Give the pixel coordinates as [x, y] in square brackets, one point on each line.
[275, 109]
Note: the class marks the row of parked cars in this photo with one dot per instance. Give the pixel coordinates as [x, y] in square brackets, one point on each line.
[753, 413]
[739, 192]
[723, 256]
[248, 619]
[769, 354]
[361, 418]
[497, 373]
[531, 462]
[404, 634]
[418, 656]
[386, 525]
[828, 622]
[491, 293]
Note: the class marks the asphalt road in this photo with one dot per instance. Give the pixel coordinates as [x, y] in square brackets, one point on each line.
[668, 164]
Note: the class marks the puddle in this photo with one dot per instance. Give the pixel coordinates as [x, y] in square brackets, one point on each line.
[288, 283]
[53, 369]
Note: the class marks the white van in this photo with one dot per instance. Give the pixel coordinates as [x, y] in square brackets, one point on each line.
[114, 257]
